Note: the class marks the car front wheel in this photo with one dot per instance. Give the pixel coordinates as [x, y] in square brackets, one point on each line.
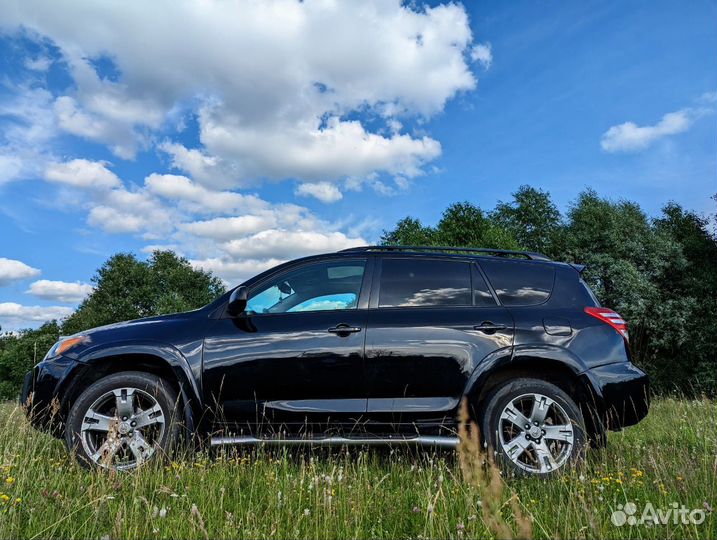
[534, 427]
[123, 421]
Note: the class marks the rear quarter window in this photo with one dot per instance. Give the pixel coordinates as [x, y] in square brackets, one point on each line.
[519, 283]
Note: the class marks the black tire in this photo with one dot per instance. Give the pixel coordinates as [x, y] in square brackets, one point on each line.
[526, 461]
[148, 386]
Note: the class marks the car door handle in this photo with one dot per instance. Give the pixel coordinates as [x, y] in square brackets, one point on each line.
[489, 327]
[344, 329]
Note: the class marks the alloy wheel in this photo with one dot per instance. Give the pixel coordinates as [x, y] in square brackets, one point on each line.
[122, 428]
[536, 433]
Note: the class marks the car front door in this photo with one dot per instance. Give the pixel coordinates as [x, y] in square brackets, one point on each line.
[431, 321]
[294, 359]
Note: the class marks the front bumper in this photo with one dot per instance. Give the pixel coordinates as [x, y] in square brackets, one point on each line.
[44, 390]
[624, 392]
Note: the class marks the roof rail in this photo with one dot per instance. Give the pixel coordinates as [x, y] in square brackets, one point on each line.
[527, 254]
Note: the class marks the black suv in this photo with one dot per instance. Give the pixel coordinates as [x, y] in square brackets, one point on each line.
[370, 345]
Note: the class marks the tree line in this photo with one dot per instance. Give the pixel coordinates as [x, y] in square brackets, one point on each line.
[659, 273]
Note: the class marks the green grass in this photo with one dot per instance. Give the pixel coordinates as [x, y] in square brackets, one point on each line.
[668, 458]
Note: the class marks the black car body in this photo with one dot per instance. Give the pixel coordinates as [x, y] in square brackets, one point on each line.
[394, 341]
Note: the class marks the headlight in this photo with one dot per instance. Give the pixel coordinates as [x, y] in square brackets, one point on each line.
[65, 344]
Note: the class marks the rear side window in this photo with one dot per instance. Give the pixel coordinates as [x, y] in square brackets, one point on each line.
[519, 283]
[415, 283]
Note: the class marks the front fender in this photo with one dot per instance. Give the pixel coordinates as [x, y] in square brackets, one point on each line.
[166, 352]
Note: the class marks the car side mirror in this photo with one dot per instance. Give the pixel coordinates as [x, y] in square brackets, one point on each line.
[237, 301]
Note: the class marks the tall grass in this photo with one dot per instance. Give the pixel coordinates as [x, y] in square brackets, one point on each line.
[379, 493]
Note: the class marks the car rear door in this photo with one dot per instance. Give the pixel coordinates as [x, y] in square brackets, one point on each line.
[431, 321]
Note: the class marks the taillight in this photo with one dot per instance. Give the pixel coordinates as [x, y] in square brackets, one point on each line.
[610, 317]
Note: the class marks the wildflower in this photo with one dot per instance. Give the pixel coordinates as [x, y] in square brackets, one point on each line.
[460, 527]
[18, 500]
[581, 478]
[163, 512]
[307, 512]
[416, 510]
[4, 497]
[10, 480]
[429, 509]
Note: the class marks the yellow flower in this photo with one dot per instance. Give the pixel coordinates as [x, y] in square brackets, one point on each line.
[4, 497]
[18, 500]
[10, 480]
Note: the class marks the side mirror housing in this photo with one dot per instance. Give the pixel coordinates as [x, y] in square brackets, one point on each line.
[237, 301]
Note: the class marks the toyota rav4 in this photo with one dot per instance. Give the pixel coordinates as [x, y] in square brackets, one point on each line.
[371, 345]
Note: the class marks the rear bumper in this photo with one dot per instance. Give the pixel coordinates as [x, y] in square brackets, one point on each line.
[623, 390]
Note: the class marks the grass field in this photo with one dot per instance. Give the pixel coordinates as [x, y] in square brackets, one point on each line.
[401, 493]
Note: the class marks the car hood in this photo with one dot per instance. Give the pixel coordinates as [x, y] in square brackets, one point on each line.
[134, 323]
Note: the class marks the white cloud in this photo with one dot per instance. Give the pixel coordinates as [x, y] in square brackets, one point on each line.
[82, 173]
[12, 270]
[27, 130]
[226, 228]
[60, 291]
[199, 199]
[483, 54]
[630, 137]
[285, 244]
[324, 191]
[15, 316]
[233, 272]
[272, 82]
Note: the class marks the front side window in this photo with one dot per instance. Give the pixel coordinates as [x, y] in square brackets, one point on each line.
[419, 283]
[321, 286]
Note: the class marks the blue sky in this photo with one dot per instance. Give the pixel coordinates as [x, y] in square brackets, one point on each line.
[243, 134]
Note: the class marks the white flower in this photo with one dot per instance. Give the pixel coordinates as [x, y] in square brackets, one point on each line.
[163, 513]
[307, 512]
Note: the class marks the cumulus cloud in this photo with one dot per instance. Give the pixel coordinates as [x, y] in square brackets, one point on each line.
[15, 316]
[324, 191]
[630, 137]
[60, 291]
[82, 173]
[289, 244]
[12, 270]
[271, 83]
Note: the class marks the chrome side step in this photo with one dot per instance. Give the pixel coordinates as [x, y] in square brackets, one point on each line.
[435, 441]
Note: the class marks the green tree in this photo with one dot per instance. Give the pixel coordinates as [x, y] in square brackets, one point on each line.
[533, 219]
[127, 288]
[461, 225]
[19, 353]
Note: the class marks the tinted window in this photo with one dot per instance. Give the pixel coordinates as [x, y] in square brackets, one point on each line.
[315, 287]
[481, 293]
[415, 282]
[519, 283]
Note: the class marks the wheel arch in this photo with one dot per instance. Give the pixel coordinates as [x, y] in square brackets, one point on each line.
[161, 360]
[553, 365]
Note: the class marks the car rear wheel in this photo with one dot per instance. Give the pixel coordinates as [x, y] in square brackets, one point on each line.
[534, 427]
[123, 421]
